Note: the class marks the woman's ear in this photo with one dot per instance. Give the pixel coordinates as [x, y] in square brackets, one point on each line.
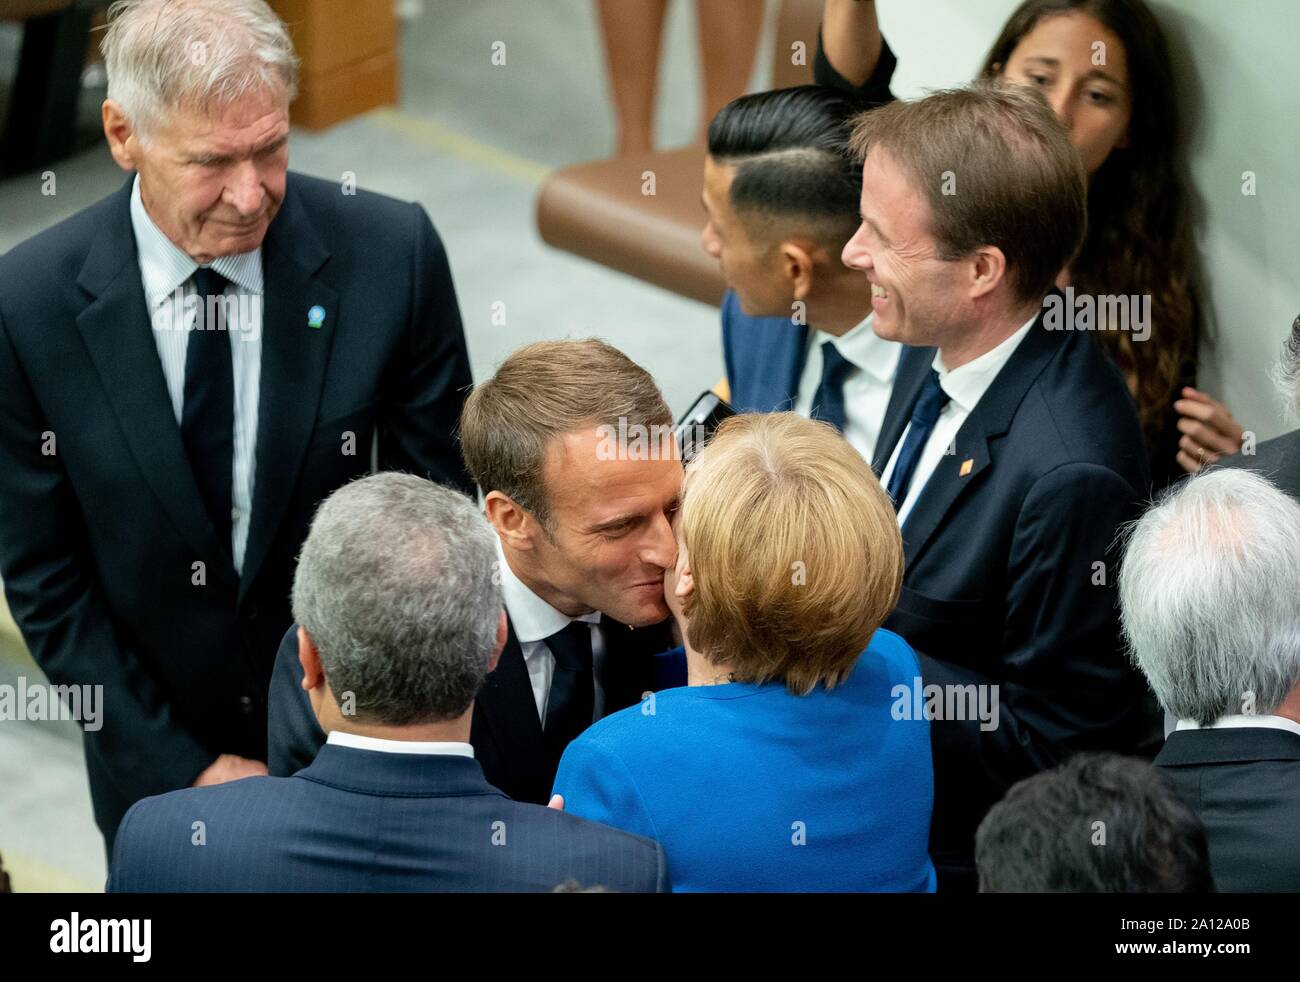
[685, 583]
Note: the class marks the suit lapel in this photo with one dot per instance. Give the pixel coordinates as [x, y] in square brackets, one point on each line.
[294, 360]
[946, 485]
[118, 334]
[912, 367]
[628, 667]
[990, 419]
[510, 710]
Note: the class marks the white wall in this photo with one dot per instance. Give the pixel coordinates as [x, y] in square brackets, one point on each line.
[1238, 69]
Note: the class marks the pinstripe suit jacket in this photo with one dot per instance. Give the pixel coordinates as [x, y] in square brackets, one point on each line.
[369, 821]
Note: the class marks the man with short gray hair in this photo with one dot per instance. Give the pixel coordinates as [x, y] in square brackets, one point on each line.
[400, 610]
[186, 369]
[1210, 600]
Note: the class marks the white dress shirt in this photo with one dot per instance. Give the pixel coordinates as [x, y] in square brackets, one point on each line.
[359, 742]
[1236, 721]
[534, 620]
[165, 272]
[965, 387]
[867, 387]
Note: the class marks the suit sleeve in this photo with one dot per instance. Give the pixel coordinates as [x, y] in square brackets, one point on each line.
[427, 383]
[292, 734]
[51, 585]
[596, 786]
[1065, 685]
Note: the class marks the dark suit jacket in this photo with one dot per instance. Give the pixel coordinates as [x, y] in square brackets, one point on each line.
[1277, 459]
[1001, 586]
[98, 540]
[368, 821]
[1245, 786]
[506, 732]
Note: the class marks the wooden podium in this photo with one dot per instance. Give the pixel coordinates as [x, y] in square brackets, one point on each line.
[348, 52]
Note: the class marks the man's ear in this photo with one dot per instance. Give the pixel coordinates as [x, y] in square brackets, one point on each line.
[514, 524]
[120, 135]
[988, 269]
[797, 268]
[502, 633]
[309, 658]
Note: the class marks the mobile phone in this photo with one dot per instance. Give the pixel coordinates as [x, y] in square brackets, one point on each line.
[696, 427]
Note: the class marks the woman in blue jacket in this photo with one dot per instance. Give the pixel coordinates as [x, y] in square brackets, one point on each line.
[789, 761]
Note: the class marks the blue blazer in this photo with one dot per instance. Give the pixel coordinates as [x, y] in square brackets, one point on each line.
[750, 788]
[764, 357]
[1011, 569]
[367, 821]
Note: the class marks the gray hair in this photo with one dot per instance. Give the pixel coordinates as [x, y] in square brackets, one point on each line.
[160, 54]
[398, 588]
[1287, 373]
[1210, 596]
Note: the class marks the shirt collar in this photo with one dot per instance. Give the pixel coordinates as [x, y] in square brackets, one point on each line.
[165, 266]
[865, 349]
[532, 617]
[1240, 721]
[359, 742]
[966, 385]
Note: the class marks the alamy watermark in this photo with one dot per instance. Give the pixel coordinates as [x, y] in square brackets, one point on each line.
[238, 312]
[946, 702]
[1104, 312]
[42, 701]
[659, 441]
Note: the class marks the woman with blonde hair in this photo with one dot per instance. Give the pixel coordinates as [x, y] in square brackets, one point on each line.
[788, 762]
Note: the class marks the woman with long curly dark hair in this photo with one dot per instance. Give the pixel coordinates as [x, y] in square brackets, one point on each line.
[1104, 67]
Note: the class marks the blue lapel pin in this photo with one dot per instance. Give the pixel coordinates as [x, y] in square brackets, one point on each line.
[316, 316]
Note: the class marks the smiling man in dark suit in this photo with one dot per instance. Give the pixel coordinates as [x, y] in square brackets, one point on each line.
[1012, 451]
[572, 444]
[186, 369]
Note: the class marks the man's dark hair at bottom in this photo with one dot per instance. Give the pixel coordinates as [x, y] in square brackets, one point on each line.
[1099, 823]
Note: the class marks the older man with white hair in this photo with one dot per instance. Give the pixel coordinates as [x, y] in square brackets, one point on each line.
[186, 369]
[1210, 600]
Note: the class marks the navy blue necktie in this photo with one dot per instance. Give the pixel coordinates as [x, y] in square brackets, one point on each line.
[828, 403]
[572, 700]
[928, 408]
[208, 416]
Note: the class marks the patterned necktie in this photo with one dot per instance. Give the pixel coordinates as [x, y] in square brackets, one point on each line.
[924, 416]
[828, 403]
[208, 417]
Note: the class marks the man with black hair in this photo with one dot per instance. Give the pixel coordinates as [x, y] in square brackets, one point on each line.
[781, 195]
[1099, 823]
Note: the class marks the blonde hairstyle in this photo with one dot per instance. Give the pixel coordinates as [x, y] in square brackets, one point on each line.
[794, 550]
